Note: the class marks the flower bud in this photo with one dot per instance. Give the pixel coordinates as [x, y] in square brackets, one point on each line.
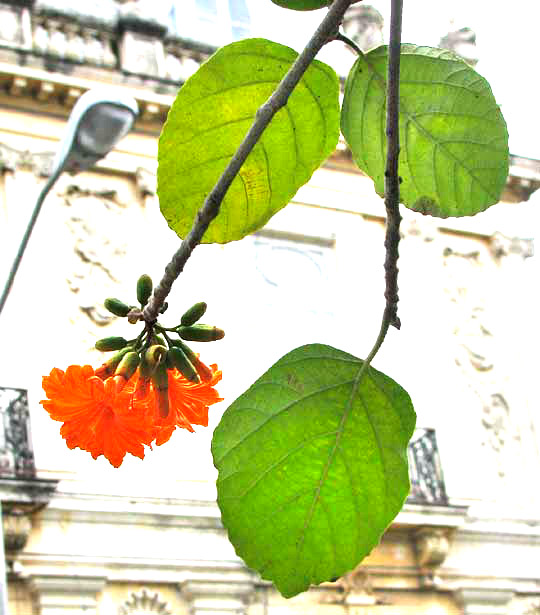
[116, 307]
[183, 364]
[108, 368]
[126, 368]
[144, 289]
[200, 333]
[160, 380]
[203, 370]
[110, 343]
[155, 355]
[147, 367]
[194, 313]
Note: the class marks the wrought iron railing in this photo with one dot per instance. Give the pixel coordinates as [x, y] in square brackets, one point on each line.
[16, 452]
[425, 471]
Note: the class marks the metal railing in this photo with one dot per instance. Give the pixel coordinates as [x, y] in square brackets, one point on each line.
[425, 471]
[16, 452]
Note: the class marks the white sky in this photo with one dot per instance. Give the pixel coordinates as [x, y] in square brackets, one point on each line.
[507, 42]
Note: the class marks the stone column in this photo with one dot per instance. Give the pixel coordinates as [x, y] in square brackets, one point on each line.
[216, 598]
[69, 595]
[484, 601]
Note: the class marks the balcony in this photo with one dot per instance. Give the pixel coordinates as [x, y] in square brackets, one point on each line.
[16, 453]
[18, 481]
[425, 471]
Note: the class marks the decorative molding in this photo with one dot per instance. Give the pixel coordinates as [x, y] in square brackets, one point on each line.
[483, 601]
[72, 595]
[144, 603]
[207, 597]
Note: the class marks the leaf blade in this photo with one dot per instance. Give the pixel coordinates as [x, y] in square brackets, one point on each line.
[210, 117]
[454, 142]
[290, 474]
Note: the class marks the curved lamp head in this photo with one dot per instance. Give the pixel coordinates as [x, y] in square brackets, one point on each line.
[97, 122]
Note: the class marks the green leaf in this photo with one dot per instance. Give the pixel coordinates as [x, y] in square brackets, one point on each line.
[454, 142]
[312, 466]
[303, 5]
[212, 113]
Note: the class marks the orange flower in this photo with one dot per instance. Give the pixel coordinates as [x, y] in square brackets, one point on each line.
[188, 403]
[96, 418]
[104, 421]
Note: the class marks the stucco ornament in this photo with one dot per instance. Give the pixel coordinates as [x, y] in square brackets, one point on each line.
[144, 602]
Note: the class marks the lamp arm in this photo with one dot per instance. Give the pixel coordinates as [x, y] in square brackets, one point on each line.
[29, 228]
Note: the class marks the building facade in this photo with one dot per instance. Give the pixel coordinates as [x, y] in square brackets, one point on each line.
[83, 537]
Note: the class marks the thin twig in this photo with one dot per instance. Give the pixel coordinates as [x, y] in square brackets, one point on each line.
[350, 43]
[326, 31]
[391, 177]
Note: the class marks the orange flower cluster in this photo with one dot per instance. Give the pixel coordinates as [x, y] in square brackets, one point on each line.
[103, 420]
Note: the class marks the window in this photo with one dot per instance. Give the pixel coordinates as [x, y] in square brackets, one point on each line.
[213, 22]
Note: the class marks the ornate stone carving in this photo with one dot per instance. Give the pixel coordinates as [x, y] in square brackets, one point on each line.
[17, 525]
[431, 546]
[357, 588]
[476, 356]
[95, 252]
[144, 603]
[12, 159]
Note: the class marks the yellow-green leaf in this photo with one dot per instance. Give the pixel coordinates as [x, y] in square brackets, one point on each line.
[312, 463]
[212, 113]
[454, 141]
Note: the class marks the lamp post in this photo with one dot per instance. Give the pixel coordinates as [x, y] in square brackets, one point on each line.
[97, 122]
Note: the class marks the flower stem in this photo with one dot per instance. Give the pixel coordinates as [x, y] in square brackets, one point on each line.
[325, 32]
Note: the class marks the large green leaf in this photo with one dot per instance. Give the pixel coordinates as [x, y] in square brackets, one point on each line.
[302, 5]
[211, 115]
[454, 142]
[312, 466]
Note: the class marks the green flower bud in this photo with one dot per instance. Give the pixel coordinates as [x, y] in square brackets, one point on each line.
[127, 366]
[117, 307]
[108, 368]
[200, 333]
[194, 313]
[111, 343]
[144, 289]
[183, 364]
[147, 367]
[155, 355]
[160, 380]
[205, 373]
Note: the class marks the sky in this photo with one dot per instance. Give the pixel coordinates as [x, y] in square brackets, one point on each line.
[506, 41]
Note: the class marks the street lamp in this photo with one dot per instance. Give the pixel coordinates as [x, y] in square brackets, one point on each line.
[97, 122]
